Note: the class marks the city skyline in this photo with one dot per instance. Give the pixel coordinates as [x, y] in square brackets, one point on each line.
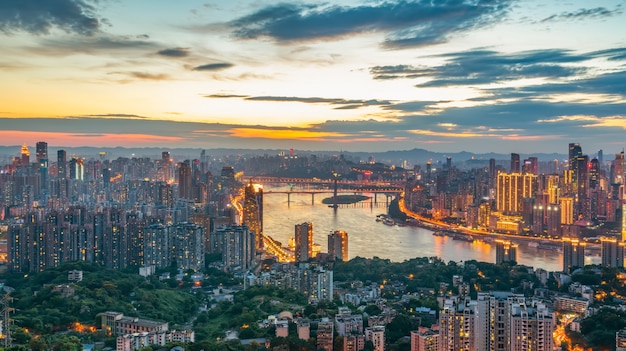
[505, 75]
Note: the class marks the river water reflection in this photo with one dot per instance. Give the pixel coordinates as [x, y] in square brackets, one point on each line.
[368, 238]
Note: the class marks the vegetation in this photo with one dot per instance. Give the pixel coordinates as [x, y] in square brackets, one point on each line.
[345, 199]
[43, 310]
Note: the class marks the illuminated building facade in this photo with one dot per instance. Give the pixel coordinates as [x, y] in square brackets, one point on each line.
[511, 189]
[612, 252]
[253, 212]
[506, 251]
[338, 245]
[573, 254]
[304, 241]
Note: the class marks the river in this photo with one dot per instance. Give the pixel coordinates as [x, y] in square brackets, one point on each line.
[368, 238]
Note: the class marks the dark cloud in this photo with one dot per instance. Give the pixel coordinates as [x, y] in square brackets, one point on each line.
[213, 66]
[477, 67]
[343, 104]
[103, 44]
[225, 96]
[598, 12]
[174, 52]
[40, 17]
[407, 23]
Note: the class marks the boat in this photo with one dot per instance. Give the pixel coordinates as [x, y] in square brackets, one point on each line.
[463, 237]
[388, 221]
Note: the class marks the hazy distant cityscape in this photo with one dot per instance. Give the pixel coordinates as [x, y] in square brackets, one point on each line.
[149, 215]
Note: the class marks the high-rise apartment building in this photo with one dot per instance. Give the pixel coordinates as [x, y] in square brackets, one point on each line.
[511, 189]
[515, 163]
[238, 247]
[618, 169]
[506, 251]
[184, 181]
[424, 339]
[338, 245]
[573, 254]
[612, 252]
[325, 335]
[304, 241]
[253, 212]
[376, 335]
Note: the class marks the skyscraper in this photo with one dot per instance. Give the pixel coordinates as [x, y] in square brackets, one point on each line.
[574, 151]
[238, 247]
[511, 189]
[505, 251]
[304, 241]
[25, 155]
[515, 163]
[338, 245]
[253, 212]
[77, 171]
[184, 180]
[42, 150]
[166, 166]
[573, 254]
[62, 164]
[612, 252]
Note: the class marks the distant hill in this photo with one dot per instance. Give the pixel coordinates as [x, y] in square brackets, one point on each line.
[414, 156]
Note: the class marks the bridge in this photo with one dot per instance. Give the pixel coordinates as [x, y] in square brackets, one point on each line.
[318, 181]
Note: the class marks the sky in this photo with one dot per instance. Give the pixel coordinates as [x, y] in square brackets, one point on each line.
[525, 76]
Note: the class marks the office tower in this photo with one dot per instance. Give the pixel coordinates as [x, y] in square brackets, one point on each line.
[165, 170]
[531, 165]
[424, 339]
[612, 252]
[623, 222]
[594, 173]
[376, 335]
[253, 212]
[618, 169]
[338, 245]
[77, 171]
[582, 185]
[187, 243]
[515, 163]
[42, 150]
[574, 151]
[506, 251]
[184, 180]
[511, 189]
[325, 335]
[238, 251]
[304, 241]
[62, 164]
[573, 254]
[493, 171]
[25, 156]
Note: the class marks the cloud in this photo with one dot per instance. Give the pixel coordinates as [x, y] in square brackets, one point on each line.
[581, 14]
[479, 66]
[344, 104]
[213, 66]
[406, 23]
[41, 17]
[174, 52]
[101, 44]
[144, 75]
